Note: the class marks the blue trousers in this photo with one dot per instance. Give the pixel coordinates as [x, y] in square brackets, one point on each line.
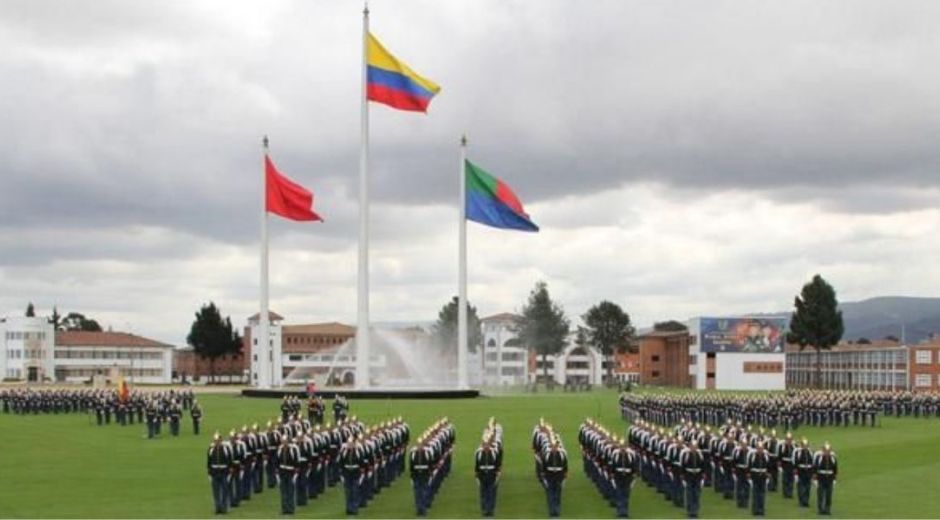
[287, 492]
[693, 494]
[758, 493]
[257, 477]
[802, 488]
[422, 495]
[622, 497]
[487, 496]
[301, 492]
[553, 494]
[787, 482]
[742, 490]
[351, 486]
[272, 470]
[234, 489]
[824, 495]
[219, 495]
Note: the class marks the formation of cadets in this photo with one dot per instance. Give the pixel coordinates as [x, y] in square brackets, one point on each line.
[610, 463]
[316, 408]
[551, 464]
[488, 465]
[737, 462]
[150, 408]
[430, 462]
[303, 459]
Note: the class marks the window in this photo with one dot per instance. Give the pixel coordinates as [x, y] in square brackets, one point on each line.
[710, 375]
[924, 357]
[294, 357]
[693, 340]
[655, 373]
[655, 359]
[693, 359]
[710, 355]
[922, 380]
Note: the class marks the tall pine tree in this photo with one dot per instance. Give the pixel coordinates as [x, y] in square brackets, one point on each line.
[445, 329]
[609, 330]
[817, 320]
[212, 337]
[543, 327]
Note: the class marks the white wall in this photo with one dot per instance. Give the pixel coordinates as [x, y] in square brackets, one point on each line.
[729, 372]
[18, 327]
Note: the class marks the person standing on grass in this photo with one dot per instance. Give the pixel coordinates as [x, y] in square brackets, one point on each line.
[555, 470]
[486, 469]
[758, 462]
[217, 465]
[196, 414]
[803, 460]
[825, 469]
[287, 456]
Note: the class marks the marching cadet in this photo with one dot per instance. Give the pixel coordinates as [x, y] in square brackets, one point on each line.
[235, 467]
[240, 459]
[315, 409]
[726, 449]
[420, 461]
[350, 458]
[321, 444]
[554, 463]
[151, 419]
[285, 409]
[287, 456]
[758, 462]
[487, 469]
[257, 443]
[340, 408]
[785, 458]
[772, 447]
[825, 468]
[175, 414]
[273, 442]
[742, 490]
[803, 460]
[624, 464]
[694, 469]
[217, 464]
[300, 475]
[195, 412]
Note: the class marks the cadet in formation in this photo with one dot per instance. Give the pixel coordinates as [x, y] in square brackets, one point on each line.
[610, 464]
[294, 456]
[430, 461]
[195, 412]
[488, 463]
[340, 407]
[551, 464]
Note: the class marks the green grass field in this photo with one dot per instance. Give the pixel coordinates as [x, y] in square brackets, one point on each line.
[63, 466]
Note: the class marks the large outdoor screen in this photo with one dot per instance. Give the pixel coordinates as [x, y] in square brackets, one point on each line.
[745, 335]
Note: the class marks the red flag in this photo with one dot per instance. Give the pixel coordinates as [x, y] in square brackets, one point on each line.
[285, 197]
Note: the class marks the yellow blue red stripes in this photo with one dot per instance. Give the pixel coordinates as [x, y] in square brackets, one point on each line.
[393, 83]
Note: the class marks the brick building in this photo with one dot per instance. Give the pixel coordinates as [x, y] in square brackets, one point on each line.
[664, 359]
[882, 365]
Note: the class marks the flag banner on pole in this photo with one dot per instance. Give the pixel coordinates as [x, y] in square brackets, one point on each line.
[491, 201]
[286, 198]
[391, 82]
[124, 391]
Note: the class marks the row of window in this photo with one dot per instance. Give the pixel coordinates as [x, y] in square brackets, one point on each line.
[316, 340]
[16, 353]
[88, 372]
[16, 335]
[14, 373]
[925, 380]
[924, 357]
[106, 354]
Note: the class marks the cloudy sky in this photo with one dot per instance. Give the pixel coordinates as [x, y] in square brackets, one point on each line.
[681, 158]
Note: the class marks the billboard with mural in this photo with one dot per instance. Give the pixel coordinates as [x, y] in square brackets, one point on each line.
[748, 335]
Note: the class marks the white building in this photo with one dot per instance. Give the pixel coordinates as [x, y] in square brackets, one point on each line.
[273, 351]
[26, 349]
[737, 353]
[574, 365]
[505, 361]
[81, 355]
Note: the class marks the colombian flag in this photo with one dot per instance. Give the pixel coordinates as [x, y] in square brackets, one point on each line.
[492, 202]
[124, 391]
[393, 83]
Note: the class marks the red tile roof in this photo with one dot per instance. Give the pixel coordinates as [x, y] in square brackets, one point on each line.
[80, 338]
[503, 316]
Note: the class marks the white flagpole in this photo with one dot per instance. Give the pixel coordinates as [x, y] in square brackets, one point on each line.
[462, 272]
[263, 349]
[362, 322]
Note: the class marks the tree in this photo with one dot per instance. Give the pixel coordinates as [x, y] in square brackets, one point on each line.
[30, 311]
[670, 326]
[891, 337]
[609, 330]
[55, 318]
[543, 327]
[77, 321]
[817, 321]
[863, 341]
[445, 329]
[213, 337]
